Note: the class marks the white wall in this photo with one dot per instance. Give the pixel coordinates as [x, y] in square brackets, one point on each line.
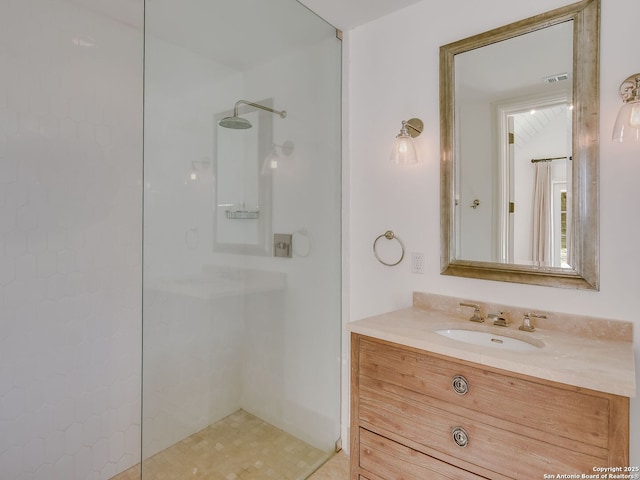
[70, 242]
[394, 76]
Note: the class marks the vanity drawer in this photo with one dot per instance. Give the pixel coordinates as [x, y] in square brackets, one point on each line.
[392, 461]
[569, 413]
[506, 448]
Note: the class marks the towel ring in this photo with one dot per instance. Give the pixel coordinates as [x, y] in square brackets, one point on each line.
[389, 235]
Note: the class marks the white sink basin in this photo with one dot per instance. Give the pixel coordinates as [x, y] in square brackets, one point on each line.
[486, 339]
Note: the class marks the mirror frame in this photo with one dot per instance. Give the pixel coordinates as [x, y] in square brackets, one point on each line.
[585, 171]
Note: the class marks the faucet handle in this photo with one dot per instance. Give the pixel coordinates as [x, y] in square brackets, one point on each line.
[476, 317]
[526, 321]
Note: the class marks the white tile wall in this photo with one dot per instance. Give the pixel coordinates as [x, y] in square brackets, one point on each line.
[192, 363]
[70, 242]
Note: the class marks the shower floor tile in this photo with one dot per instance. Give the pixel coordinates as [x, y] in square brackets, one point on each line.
[239, 447]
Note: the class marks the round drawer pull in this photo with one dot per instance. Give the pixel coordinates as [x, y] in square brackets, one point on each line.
[460, 385]
[460, 436]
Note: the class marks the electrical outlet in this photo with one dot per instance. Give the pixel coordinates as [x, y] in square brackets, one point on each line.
[417, 262]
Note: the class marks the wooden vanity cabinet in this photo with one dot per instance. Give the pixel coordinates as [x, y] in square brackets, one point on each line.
[416, 415]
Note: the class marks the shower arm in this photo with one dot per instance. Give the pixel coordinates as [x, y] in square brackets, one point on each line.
[282, 113]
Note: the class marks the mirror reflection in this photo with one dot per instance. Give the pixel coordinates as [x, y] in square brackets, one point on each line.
[510, 112]
[242, 210]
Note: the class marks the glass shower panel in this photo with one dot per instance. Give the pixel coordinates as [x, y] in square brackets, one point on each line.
[241, 348]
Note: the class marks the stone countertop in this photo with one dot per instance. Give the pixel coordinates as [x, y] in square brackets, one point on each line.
[595, 363]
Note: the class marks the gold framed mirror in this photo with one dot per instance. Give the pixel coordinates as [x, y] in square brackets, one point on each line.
[504, 215]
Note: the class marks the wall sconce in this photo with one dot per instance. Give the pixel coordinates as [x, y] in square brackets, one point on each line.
[272, 160]
[627, 127]
[403, 151]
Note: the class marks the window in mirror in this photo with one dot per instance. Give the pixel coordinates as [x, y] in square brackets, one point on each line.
[562, 228]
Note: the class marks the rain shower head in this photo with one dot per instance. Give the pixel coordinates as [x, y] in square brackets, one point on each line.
[235, 122]
[239, 123]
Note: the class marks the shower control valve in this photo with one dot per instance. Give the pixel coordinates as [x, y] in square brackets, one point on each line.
[282, 243]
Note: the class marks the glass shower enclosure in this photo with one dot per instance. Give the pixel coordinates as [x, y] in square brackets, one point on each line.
[242, 244]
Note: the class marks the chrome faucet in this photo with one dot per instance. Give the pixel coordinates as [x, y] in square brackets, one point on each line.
[526, 321]
[476, 317]
[500, 319]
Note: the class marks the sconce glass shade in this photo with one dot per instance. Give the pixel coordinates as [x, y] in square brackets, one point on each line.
[403, 151]
[270, 162]
[627, 127]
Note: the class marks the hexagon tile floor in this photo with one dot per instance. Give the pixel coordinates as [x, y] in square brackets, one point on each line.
[240, 447]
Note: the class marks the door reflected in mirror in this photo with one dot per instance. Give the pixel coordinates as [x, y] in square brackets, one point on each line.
[537, 211]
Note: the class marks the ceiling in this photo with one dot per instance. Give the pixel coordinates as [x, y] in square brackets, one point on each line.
[343, 14]
[129, 12]
[234, 34]
[348, 14]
